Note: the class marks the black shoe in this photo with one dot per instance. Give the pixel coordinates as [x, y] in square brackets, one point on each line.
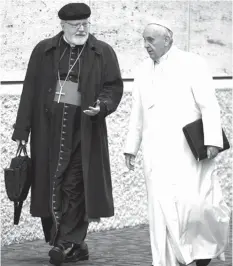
[203, 262]
[58, 253]
[78, 253]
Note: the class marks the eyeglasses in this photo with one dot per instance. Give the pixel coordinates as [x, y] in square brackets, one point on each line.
[77, 26]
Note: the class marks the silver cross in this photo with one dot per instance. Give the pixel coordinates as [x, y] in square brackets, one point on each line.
[60, 93]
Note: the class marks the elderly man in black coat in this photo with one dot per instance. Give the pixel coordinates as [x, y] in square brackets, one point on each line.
[73, 82]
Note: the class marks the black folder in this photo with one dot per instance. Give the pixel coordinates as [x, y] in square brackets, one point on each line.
[195, 137]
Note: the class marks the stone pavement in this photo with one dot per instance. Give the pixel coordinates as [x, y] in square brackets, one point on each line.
[122, 247]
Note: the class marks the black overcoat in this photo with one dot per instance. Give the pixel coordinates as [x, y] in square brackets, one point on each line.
[101, 80]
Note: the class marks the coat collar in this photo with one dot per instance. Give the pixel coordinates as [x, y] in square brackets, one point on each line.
[92, 43]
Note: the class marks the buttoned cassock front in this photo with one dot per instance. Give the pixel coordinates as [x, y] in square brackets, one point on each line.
[188, 217]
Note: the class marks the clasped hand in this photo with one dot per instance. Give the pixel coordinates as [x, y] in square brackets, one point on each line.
[23, 142]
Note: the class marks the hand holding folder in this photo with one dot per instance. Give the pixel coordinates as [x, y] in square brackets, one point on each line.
[195, 137]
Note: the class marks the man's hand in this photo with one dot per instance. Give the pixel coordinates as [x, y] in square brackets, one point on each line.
[129, 161]
[212, 152]
[93, 110]
[22, 141]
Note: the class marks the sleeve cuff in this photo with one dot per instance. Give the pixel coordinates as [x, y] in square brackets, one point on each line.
[20, 135]
[102, 113]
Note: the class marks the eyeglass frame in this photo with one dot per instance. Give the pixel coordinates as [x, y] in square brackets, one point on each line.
[77, 26]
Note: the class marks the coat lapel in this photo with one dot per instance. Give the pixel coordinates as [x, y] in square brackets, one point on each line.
[91, 51]
[56, 57]
[86, 68]
[53, 47]
[52, 56]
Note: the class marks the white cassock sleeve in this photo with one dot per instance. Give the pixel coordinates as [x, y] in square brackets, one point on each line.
[134, 136]
[204, 94]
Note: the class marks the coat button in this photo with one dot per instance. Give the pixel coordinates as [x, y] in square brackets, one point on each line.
[50, 89]
[46, 110]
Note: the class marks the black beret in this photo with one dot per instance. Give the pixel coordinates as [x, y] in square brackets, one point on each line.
[74, 11]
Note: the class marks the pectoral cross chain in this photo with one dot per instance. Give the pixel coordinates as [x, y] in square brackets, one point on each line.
[60, 93]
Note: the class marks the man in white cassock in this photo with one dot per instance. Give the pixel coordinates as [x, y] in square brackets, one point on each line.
[188, 218]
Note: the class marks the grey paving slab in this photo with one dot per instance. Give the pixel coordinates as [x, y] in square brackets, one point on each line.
[125, 247]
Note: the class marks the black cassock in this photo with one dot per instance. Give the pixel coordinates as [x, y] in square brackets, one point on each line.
[67, 200]
[55, 151]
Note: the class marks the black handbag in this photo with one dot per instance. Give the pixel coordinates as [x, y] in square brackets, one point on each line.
[18, 180]
[195, 137]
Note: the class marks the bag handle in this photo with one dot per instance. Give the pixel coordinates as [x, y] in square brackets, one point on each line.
[21, 147]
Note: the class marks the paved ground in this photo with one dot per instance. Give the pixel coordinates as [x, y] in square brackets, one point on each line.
[124, 247]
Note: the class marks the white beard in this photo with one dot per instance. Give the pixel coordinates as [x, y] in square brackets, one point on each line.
[79, 40]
